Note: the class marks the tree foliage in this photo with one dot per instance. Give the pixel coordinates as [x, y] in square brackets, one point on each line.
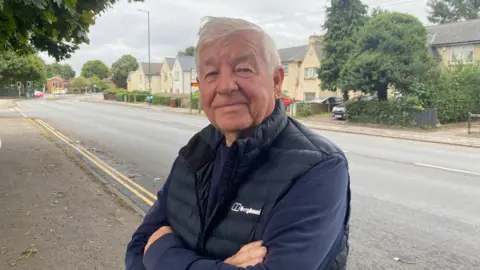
[95, 68]
[79, 84]
[56, 27]
[446, 11]
[23, 68]
[391, 50]
[121, 68]
[188, 51]
[344, 18]
[99, 84]
[65, 71]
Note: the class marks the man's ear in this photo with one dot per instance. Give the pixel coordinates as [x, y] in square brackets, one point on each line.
[278, 76]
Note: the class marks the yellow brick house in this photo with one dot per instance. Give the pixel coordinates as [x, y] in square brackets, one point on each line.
[138, 80]
[300, 64]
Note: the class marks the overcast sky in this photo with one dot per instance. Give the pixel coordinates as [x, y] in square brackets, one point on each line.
[174, 24]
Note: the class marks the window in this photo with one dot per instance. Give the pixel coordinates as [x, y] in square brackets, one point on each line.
[285, 92]
[310, 73]
[177, 91]
[177, 76]
[141, 78]
[54, 84]
[461, 54]
[308, 96]
[285, 68]
[165, 77]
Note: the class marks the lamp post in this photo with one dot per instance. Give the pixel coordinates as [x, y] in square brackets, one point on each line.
[149, 71]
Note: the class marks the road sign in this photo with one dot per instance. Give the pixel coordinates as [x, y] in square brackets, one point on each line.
[194, 84]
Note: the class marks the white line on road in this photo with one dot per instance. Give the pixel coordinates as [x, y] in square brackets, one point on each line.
[20, 111]
[12, 110]
[446, 169]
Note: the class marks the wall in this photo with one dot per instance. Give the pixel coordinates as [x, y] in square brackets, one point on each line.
[290, 80]
[187, 81]
[445, 52]
[156, 84]
[57, 83]
[166, 85]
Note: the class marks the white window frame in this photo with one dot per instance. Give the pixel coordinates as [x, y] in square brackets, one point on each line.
[464, 51]
[285, 68]
[177, 76]
[310, 73]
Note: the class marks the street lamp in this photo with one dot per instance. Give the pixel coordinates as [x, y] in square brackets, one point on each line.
[149, 71]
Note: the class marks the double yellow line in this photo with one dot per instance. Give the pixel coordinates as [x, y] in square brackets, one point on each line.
[122, 179]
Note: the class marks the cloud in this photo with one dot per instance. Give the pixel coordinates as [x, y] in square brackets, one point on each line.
[174, 25]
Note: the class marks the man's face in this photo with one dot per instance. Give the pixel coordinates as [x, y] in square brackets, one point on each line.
[236, 88]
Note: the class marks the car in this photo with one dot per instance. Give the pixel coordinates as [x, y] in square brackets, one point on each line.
[326, 100]
[38, 94]
[286, 101]
[339, 111]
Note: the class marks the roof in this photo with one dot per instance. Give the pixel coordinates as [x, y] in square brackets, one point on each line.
[56, 77]
[170, 61]
[155, 68]
[293, 53]
[186, 62]
[458, 32]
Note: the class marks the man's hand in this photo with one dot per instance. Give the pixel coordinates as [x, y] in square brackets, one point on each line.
[249, 255]
[156, 235]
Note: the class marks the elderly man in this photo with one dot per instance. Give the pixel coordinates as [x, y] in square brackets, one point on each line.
[255, 189]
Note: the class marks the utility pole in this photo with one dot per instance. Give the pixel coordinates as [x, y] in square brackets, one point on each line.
[149, 63]
[191, 94]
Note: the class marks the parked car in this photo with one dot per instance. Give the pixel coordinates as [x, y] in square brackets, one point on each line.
[286, 101]
[339, 111]
[38, 94]
[326, 100]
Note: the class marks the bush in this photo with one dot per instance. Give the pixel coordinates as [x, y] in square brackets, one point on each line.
[397, 113]
[159, 99]
[457, 93]
[303, 109]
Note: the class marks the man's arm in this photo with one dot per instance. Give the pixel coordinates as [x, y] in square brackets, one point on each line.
[154, 219]
[303, 228]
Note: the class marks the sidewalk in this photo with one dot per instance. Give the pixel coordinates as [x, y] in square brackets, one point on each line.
[452, 136]
[457, 136]
[55, 215]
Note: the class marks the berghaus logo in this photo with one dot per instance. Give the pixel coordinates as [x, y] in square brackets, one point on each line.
[238, 207]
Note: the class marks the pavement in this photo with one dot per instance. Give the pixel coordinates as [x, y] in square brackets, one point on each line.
[55, 215]
[414, 204]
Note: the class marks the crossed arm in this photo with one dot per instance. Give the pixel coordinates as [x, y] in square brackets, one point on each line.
[302, 232]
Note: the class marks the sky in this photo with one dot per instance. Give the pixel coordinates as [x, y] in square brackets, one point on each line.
[174, 25]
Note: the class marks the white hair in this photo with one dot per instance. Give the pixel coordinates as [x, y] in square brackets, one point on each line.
[213, 28]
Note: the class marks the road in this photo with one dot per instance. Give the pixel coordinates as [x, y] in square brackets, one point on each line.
[415, 205]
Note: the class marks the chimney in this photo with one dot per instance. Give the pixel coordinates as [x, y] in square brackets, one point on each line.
[315, 40]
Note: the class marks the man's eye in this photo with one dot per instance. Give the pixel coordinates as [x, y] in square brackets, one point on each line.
[244, 70]
[211, 74]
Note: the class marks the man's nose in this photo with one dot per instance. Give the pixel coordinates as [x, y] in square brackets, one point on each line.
[226, 83]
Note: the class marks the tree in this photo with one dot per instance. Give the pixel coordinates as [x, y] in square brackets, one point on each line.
[23, 68]
[56, 27]
[446, 11]
[99, 83]
[65, 71]
[391, 50]
[79, 84]
[188, 51]
[95, 68]
[121, 68]
[344, 18]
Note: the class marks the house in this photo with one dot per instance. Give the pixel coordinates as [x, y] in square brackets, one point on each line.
[166, 74]
[184, 73]
[138, 80]
[300, 65]
[455, 42]
[55, 84]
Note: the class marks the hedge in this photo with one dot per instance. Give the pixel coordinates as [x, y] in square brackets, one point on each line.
[164, 100]
[396, 113]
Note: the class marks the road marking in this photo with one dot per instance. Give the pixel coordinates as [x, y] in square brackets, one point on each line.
[20, 111]
[12, 110]
[446, 169]
[99, 163]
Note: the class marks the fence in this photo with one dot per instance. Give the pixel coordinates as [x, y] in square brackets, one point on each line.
[425, 118]
[470, 116]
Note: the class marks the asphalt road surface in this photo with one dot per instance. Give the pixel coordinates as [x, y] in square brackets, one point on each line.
[415, 205]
